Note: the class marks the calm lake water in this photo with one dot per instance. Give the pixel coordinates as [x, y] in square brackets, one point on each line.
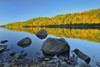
[87, 40]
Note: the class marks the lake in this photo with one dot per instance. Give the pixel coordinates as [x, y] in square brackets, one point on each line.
[86, 40]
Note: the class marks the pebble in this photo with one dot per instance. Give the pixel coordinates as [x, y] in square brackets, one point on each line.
[18, 56]
[46, 59]
[98, 64]
[64, 64]
[54, 57]
[12, 54]
[6, 64]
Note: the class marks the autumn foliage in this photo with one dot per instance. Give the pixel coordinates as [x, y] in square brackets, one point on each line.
[86, 17]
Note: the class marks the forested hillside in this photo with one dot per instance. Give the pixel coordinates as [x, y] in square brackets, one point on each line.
[86, 17]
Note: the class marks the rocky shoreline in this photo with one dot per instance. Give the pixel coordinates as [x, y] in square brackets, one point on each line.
[56, 53]
[19, 60]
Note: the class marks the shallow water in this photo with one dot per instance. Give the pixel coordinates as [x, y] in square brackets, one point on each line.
[87, 40]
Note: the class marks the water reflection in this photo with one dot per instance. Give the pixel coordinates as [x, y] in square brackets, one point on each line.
[83, 34]
[79, 41]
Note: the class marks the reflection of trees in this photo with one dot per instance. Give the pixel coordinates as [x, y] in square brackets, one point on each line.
[86, 17]
[83, 34]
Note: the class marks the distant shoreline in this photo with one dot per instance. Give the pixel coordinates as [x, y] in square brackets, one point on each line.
[75, 26]
[79, 26]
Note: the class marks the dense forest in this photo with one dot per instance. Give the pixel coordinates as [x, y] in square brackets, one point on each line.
[86, 17]
[83, 34]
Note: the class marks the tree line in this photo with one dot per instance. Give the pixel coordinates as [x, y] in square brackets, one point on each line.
[86, 17]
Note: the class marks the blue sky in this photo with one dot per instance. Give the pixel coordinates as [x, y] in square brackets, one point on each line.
[21, 10]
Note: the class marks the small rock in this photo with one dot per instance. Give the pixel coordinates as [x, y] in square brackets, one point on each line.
[21, 51]
[40, 58]
[24, 42]
[51, 65]
[69, 62]
[7, 49]
[6, 64]
[24, 54]
[2, 48]
[76, 59]
[62, 58]
[98, 64]
[64, 64]
[4, 41]
[41, 34]
[77, 65]
[1, 65]
[18, 56]
[43, 64]
[46, 59]
[12, 54]
[1, 55]
[54, 60]
[82, 56]
[37, 53]
[84, 65]
[54, 57]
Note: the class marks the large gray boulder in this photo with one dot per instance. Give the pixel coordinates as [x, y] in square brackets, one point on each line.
[24, 42]
[41, 34]
[54, 46]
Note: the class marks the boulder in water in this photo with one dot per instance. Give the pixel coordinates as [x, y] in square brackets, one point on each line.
[24, 42]
[54, 46]
[18, 56]
[12, 54]
[41, 34]
[2, 48]
[4, 41]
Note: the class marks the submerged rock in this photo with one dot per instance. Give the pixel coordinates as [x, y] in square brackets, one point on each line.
[1, 55]
[82, 56]
[1, 65]
[4, 41]
[25, 42]
[24, 54]
[98, 64]
[2, 48]
[64, 64]
[54, 46]
[6, 64]
[46, 59]
[18, 56]
[12, 54]
[84, 65]
[7, 49]
[41, 34]
[54, 57]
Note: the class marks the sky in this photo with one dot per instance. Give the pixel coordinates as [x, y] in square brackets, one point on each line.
[22, 10]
